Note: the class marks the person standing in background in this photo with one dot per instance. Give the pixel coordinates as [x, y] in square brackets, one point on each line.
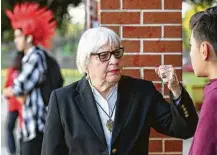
[14, 105]
[33, 26]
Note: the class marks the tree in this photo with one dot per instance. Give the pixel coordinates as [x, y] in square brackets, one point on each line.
[59, 8]
[197, 5]
[186, 23]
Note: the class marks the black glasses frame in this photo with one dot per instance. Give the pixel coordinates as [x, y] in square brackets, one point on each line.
[110, 54]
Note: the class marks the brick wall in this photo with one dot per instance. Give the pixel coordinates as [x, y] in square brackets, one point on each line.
[150, 31]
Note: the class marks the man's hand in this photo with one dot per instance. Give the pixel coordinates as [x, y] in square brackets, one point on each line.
[21, 99]
[168, 75]
[8, 92]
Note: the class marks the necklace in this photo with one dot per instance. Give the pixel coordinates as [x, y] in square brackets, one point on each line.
[109, 122]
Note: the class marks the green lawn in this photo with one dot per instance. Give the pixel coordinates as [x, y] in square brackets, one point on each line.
[195, 86]
[70, 75]
[189, 80]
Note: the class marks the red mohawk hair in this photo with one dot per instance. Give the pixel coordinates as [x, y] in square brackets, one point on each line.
[35, 21]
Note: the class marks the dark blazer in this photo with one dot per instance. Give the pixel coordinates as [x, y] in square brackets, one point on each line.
[74, 127]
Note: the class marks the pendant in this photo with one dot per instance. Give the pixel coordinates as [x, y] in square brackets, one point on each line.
[109, 124]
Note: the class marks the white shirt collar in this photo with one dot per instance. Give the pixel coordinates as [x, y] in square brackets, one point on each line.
[95, 92]
[108, 106]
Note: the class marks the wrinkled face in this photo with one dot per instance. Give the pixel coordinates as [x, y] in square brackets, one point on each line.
[19, 39]
[197, 61]
[105, 66]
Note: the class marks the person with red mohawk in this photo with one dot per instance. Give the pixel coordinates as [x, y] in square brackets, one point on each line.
[33, 26]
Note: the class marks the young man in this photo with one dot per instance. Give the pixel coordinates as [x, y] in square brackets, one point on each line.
[32, 26]
[204, 60]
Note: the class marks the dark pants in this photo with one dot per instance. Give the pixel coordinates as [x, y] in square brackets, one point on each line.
[32, 147]
[12, 117]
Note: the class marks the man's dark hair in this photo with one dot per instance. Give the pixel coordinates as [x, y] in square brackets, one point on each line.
[17, 62]
[204, 26]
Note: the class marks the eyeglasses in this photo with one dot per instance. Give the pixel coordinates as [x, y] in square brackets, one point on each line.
[105, 56]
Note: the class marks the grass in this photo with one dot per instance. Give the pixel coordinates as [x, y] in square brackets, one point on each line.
[70, 76]
[189, 80]
[195, 86]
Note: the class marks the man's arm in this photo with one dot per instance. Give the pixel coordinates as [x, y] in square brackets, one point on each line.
[31, 74]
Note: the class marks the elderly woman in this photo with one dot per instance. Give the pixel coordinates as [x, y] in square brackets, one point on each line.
[107, 113]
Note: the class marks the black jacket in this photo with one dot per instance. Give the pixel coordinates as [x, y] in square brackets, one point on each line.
[74, 127]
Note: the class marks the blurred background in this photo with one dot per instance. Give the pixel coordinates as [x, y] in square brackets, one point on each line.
[75, 16]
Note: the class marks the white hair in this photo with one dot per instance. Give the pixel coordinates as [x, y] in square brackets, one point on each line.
[92, 41]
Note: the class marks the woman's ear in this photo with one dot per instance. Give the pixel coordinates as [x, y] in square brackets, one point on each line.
[29, 39]
[87, 74]
[204, 50]
[86, 70]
